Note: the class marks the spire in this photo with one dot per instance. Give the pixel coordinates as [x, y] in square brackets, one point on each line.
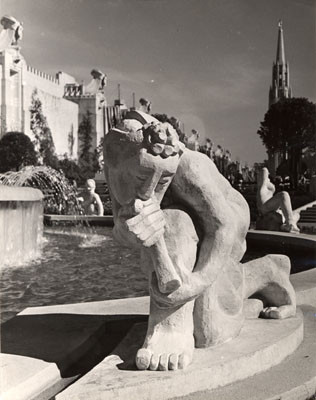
[280, 88]
[280, 56]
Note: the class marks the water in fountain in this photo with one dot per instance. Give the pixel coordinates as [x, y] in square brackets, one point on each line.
[21, 210]
[21, 225]
[59, 195]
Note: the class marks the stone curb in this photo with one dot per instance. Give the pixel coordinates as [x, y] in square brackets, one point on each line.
[261, 345]
[301, 392]
[302, 241]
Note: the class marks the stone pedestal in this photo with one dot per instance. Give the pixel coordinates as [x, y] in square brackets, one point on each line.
[269, 222]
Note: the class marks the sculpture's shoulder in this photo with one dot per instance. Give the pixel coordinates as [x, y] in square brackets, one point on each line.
[198, 177]
[196, 163]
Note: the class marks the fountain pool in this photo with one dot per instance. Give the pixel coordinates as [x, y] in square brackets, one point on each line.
[85, 264]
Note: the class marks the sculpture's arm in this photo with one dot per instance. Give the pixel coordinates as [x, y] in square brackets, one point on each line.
[214, 253]
[199, 186]
[99, 204]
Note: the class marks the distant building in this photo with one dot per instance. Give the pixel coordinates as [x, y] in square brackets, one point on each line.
[64, 103]
[279, 89]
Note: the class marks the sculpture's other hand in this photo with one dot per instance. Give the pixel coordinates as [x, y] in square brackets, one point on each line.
[141, 223]
[193, 285]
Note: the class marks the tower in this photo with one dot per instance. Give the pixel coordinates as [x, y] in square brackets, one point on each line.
[280, 88]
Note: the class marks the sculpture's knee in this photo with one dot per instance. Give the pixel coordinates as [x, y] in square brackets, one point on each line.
[283, 196]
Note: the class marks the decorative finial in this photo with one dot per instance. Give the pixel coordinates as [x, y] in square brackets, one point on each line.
[280, 23]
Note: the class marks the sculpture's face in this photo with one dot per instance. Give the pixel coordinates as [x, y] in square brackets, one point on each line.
[90, 187]
[7, 24]
[143, 176]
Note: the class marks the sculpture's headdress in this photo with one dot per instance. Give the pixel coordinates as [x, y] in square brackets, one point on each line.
[141, 130]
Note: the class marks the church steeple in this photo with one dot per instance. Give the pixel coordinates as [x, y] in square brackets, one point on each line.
[280, 57]
[280, 87]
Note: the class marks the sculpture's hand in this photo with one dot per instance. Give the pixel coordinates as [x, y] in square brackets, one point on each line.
[140, 224]
[193, 285]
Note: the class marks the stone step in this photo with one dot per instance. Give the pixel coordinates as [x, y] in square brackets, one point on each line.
[293, 379]
[261, 345]
[312, 213]
[47, 348]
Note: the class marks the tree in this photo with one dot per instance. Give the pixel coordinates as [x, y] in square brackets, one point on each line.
[289, 126]
[16, 152]
[71, 140]
[43, 139]
[70, 168]
[88, 160]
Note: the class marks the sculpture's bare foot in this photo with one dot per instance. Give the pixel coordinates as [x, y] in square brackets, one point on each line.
[166, 351]
[169, 343]
[291, 228]
[278, 312]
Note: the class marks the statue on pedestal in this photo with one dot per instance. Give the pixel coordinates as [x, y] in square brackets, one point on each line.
[275, 210]
[12, 32]
[145, 105]
[191, 246]
[97, 84]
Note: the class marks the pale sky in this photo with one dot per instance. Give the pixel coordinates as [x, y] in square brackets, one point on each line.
[206, 62]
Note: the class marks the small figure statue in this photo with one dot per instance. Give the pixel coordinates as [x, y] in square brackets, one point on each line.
[145, 105]
[268, 202]
[190, 249]
[91, 202]
[193, 140]
[12, 32]
[97, 84]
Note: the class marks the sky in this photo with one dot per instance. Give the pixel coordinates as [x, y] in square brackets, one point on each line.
[206, 62]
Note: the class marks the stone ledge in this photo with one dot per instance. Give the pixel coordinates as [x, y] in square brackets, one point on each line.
[304, 284]
[293, 379]
[79, 338]
[44, 352]
[24, 194]
[104, 220]
[302, 241]
[126, 306]
[261, 345]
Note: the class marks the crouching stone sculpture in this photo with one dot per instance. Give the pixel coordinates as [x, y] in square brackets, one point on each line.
[192, 238]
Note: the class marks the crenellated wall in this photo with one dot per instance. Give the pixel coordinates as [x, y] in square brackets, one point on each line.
[64, 109]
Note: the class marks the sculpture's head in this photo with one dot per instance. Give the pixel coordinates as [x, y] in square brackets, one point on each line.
[263, 176]
[141, 160]
[8, 22]
[90, 185]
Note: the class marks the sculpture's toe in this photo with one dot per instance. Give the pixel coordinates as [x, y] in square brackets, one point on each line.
[143, 358]
[173, 362]
[154, 362]
[184, 361]
[163, 362]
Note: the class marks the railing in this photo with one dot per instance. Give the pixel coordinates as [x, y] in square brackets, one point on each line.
[73, 90]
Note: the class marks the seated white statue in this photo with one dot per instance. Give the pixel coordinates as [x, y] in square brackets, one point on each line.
[91, 202]
[280, 202]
